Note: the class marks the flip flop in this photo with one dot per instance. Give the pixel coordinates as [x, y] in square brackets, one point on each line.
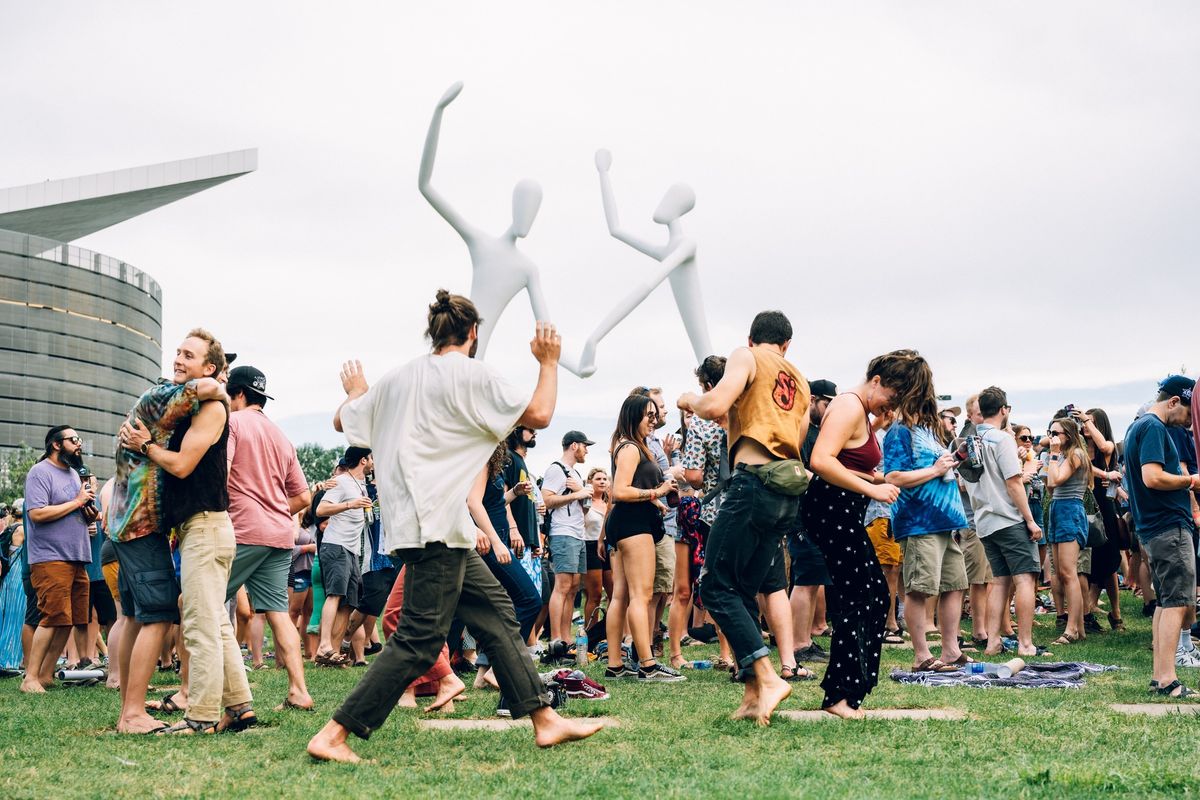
[288, 705]
[961, 661]
[165, 706]
[934, 665]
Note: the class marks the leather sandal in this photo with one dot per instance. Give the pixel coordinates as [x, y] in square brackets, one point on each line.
[237, 718]
[934, 665]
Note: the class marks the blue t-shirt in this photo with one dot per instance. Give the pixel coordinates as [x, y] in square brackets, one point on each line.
[1154, 511]
[932, 507]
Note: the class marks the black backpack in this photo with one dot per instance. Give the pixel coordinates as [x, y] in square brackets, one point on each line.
[545, 529]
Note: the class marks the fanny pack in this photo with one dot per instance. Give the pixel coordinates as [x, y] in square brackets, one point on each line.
[786, 477]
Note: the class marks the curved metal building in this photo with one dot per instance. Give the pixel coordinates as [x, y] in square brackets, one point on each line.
[80, 332]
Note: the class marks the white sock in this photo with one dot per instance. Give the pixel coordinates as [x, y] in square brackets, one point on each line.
[1185, 640]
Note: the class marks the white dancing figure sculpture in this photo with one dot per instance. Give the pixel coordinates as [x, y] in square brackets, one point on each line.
[499, 269]
[678, 264]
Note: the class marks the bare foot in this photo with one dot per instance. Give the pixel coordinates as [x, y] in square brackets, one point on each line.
[770, 695]
[486, 679]
[408, 699]
[749, 707]
[330, 745]
[551, 729]
[449, 689]
[32, 686]
[993, 651]
[445, 708]
[842, 709]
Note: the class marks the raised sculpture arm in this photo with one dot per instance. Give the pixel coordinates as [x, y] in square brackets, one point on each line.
[428, 155]
[603, 164]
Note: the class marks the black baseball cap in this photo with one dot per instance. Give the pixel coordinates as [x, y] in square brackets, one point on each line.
[575, 437]
[822, 389]
[1179, 386]
[250, 378]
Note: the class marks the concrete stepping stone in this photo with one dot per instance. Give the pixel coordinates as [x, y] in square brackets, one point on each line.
[1155, 709]
[494, 724]
[948, 714]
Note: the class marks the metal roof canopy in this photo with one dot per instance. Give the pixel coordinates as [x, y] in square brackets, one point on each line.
[72, 208]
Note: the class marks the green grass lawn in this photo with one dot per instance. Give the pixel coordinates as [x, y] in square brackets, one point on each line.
[673, 740]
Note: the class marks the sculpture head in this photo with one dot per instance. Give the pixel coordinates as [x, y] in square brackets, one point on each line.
[527, 199]
[679, 200]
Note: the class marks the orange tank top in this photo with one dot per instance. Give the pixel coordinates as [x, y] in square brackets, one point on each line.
[773, 407]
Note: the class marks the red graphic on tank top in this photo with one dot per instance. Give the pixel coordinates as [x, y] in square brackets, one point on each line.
[784, 394]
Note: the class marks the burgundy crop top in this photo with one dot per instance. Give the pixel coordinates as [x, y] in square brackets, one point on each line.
[866, 457]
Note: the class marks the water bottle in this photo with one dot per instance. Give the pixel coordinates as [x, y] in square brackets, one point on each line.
[581, 646]
[701, 664]
[1004, 670]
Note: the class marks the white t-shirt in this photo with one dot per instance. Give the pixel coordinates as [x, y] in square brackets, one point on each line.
[566, 520]
[431, 425]
[346, 527]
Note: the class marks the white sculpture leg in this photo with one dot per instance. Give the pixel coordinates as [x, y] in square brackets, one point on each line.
[541, 311]
[587, 361]
[685, 285]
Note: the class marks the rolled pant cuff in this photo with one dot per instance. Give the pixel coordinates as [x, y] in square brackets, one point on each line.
[524, 709]
[351, 724]
[747, 662]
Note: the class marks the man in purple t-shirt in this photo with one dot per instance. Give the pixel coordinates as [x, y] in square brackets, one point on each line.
[60, 507]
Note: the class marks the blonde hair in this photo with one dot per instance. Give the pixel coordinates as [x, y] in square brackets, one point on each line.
[215, 354]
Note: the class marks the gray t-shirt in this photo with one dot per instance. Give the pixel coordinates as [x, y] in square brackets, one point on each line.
[566, 520]
[346, 528]
[994, 509]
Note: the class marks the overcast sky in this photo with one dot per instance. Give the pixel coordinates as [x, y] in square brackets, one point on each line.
[1009, 189]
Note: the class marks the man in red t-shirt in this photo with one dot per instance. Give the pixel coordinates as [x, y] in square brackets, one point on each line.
[266, 488]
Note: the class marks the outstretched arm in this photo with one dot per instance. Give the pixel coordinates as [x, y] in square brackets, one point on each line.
[603, 164]
[427, 158]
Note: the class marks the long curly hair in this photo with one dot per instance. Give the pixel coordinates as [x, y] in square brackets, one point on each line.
[498, 461]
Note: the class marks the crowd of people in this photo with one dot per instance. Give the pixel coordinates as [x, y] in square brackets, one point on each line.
[842, 521]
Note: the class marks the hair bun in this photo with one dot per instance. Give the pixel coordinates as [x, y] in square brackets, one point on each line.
[441, 301]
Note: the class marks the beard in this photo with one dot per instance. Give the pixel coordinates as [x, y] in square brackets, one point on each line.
[73, 460]
[529, 445]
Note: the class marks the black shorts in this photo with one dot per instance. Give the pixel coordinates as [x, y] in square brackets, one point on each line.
[594, 561]
[341, 573]
[102, 603]
[376, 586]
[32, 615]
[776, 579]
[146, 580]
[808, 565]
[631, 519]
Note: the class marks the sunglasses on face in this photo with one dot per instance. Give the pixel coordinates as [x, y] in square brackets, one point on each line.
[950, 419]
[1025, 438]
[71, 439]
[1057, 433]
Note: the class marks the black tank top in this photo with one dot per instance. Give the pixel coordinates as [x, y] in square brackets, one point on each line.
[206, 489]
[648, 475]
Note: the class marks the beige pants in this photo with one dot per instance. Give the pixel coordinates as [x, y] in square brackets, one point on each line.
[217, 678]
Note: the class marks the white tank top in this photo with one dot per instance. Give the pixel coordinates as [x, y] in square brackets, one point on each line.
[592, 524]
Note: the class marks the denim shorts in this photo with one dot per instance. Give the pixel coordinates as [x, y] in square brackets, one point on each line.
[1068, 522]
[567, 554]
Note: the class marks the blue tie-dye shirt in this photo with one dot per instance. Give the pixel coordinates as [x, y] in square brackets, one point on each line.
[932, 507]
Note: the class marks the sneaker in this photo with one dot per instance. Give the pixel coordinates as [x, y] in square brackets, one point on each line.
[1187, 658]
[502, 707]
[558, 652]
[1090, 625]
[623, 671]
[813, 654]
[580, 686]
[659, 673]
